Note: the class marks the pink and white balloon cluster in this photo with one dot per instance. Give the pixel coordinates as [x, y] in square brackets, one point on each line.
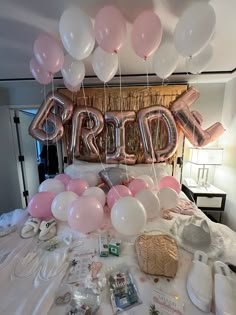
[132, 206]
[82, 206]
[69, 200]
[192, 36]
[78, 38]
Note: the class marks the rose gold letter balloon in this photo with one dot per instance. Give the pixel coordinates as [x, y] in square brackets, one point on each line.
[45, 116]
[119, 120]
[190, 123]
[87, 123]
[162, 113]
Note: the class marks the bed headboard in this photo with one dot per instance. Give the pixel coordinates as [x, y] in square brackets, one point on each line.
[128, 98]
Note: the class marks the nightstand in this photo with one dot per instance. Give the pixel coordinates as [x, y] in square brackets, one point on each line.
[208, 199]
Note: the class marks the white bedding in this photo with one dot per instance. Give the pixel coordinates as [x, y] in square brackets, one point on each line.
[146, 284]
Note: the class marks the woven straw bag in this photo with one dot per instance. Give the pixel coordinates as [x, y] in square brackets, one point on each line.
[157, 255]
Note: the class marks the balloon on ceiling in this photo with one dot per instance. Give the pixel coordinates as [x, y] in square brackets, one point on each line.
[76, 32]
[110, 29]
[146, 34]
[198, 63]
[195, 29]
[191, 38]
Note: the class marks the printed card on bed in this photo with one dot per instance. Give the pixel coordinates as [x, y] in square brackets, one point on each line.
[81, 257]
[84, 246]
[79, 269]
[166, 304]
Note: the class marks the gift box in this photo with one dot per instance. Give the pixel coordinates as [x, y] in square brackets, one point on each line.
[114, 247]
[103, 245]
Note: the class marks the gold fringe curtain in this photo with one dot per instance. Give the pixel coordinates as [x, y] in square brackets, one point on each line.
[125, 99]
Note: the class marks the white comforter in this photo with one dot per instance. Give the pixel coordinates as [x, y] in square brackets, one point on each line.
[146, 284]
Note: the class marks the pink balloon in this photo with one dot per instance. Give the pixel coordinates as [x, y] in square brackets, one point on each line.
[77, 185]
[64, 178]
[146, 34]
[138, 184]
[85, 214]
[40, 205]
[72, 88]
[40, 75]
[117, 192]
[49, 53]
[171, 182]
[110, 29]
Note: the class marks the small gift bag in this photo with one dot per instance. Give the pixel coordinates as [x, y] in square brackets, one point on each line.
[157, 255]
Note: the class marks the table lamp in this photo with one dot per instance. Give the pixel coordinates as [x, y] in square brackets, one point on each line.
[205, 157]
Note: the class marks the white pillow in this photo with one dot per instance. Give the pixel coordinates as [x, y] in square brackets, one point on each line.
[161, 169]
[158, 171]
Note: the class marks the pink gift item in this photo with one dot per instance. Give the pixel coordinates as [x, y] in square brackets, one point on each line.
[184, 207]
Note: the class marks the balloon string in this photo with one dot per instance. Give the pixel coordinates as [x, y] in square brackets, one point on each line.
[153, 157]
[54, 114]
[90, 120]
[47, 158]
[187, 64]
[105, 106]
[162, 99]
[147, 77]
[121, 110]
[191, 164]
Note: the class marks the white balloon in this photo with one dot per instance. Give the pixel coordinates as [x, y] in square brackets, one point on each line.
[90, 177]
[61, 203]
[128, 216]
[72, 88]
[165, 60]
[104, 65]
[147, 179]
[168, 198]
[55, 186]
[198, 63]
[195, 29]
[73, 71]
[150, 201]
[74, 171]
[77, 34]
[97, 193]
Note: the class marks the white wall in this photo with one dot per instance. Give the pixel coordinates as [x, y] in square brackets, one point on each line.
[209, 105]
[225, 176]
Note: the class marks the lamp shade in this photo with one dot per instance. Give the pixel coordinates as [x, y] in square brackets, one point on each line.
[206, 156]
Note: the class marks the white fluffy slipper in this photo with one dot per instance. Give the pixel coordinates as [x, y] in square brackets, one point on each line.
[30, 228]
[225, 290]
[199, 282]
[48, 230]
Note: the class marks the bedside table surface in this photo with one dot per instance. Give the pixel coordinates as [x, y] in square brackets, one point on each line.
[206, 190]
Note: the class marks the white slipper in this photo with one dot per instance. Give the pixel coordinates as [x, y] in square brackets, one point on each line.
[30, 228]
[225, 290]
[199, 282]
[48, 230]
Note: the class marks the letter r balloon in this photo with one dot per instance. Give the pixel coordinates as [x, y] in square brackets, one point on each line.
[86, 134]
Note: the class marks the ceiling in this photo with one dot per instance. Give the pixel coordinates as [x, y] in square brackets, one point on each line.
[22, 21]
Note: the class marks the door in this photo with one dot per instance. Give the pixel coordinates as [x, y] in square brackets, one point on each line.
[27, 155]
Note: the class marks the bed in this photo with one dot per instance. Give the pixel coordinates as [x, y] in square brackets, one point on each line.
[34, 299]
